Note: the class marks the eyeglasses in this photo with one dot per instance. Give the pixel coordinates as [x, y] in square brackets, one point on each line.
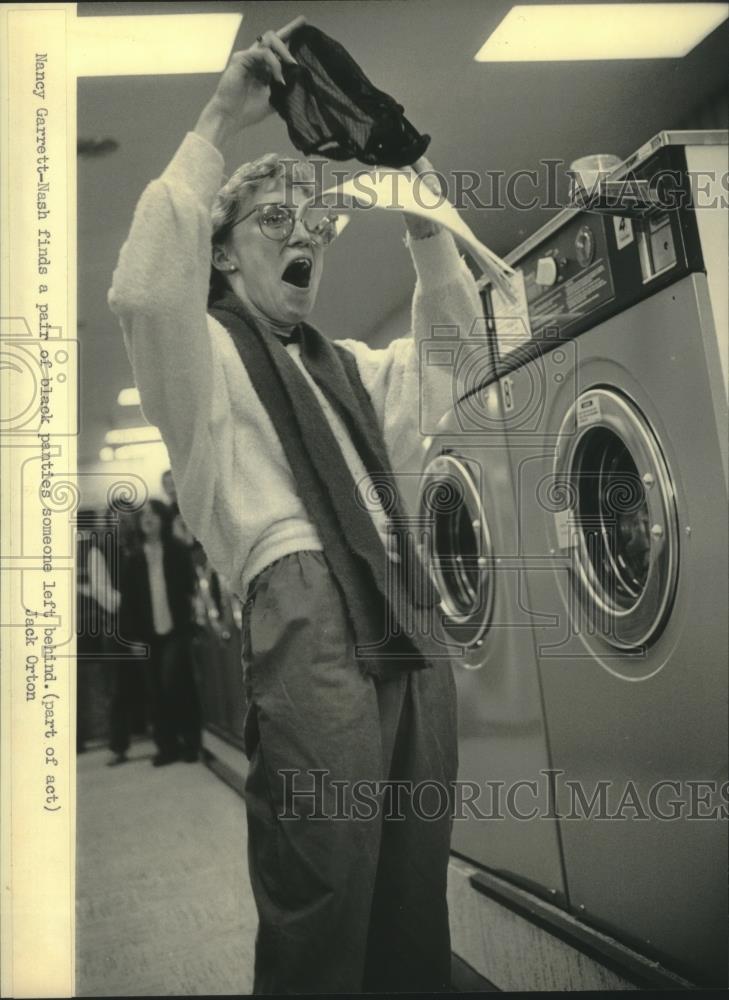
[277, 222]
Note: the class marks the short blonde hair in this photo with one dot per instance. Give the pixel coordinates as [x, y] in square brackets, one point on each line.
[247, 180]
[240, 190]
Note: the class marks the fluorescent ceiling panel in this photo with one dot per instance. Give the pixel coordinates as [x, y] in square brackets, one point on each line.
[153, 44]
[149, 452]
[128, 397]
[562, 32]
[133, 435]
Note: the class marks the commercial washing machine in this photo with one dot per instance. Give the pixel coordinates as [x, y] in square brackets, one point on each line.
[467, 514]
[616, 416]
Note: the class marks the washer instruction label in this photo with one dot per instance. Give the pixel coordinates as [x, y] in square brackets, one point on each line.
[588, 411]
[570, 301]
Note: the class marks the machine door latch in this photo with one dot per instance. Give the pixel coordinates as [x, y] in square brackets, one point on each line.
[507, 394]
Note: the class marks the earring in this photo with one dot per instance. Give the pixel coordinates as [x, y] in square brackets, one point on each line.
[232, 268]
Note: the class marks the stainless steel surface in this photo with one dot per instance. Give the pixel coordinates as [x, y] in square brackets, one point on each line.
[709, 169]
[467, 480]
[659, 712]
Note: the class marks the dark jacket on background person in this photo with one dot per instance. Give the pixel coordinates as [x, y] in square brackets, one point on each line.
[168, 670]
[136, 606]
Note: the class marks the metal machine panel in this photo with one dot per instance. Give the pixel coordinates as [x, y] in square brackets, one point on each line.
[467, 499]
[622, 532]
[587, 265]
[709, 168]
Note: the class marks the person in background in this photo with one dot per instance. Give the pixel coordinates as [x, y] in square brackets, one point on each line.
[96, 601]
[158, 583]
[130, 707]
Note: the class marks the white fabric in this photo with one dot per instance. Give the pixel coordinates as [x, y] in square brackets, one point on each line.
[404, 190]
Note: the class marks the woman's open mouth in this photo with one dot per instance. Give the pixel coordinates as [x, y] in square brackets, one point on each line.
[298, 272]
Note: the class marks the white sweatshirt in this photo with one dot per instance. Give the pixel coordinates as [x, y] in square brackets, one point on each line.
[235, 488]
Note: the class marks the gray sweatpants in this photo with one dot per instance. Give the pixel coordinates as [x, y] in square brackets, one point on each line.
[348, 796]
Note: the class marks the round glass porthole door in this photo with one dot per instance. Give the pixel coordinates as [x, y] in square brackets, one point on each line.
[457, 547]
[619, 518]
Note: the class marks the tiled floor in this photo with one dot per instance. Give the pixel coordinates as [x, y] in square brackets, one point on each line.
[163, 901]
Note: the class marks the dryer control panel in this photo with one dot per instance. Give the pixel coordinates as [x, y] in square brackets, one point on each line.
[588, 265]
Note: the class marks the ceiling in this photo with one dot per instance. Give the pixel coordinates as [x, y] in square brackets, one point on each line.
[482, 117]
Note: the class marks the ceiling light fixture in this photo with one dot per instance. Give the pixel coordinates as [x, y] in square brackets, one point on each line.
[135, 45]
[564, 32]
[128, 397]
[148, 450]
[133, 435]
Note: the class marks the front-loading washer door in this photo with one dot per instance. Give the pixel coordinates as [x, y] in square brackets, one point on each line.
[618, 517]
[467, 514]
[458, 547]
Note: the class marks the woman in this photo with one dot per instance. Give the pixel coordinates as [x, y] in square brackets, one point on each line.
[276, 438]
[157, 587]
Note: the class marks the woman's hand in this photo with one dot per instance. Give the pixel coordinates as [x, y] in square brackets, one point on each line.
[241, 98]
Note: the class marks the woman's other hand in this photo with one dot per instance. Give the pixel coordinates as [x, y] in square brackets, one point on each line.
[419, 227]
